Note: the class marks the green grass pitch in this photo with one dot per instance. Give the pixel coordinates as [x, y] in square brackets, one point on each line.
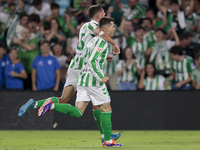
[90, 140]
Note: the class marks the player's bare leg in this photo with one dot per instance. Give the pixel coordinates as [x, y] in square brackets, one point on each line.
[67, 94]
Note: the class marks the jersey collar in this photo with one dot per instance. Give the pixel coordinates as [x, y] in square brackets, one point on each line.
[95, 22]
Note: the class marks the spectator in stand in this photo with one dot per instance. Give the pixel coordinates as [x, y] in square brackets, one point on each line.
[40, 8]
[8, 3]
[45, 73]
[33, 26]
[27, 51]
[182, 67]
[150, 79]
[23, 23]
[14, 72]
[140, 47]
[4, 59]
[196, 74]
[55, 9]
[175, 17]
[189, 48]
[160, 51]
[62, 59]
[132, 11]
[127, 71]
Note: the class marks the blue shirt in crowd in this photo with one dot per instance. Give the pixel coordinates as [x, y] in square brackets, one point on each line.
[5, 60]
[46, 71]
[13, 82]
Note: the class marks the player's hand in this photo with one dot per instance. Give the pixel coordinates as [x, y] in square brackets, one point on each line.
[109, 58]
[115, 49]
[13, 74]
[105, 79]
[179, 84]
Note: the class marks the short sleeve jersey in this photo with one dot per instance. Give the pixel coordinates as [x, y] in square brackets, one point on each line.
[85, 36]
[92, 72]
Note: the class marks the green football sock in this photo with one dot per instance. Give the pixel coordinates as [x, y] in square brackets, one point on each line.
[68, 109]
[107, 124]
[97, 118]
[41, 102]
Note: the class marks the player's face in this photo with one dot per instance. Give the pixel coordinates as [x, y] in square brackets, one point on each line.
[101, 13]
[45, 48]
[111, 29]
[128, 53]
[159, 35]
[149, 70]
[13, 55]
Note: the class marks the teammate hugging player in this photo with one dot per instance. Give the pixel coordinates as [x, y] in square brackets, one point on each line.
[87, 32]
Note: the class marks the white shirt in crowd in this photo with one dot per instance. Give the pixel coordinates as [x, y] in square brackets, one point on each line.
[44, 12]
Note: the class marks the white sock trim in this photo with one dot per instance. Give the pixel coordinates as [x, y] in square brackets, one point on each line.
[36, 103]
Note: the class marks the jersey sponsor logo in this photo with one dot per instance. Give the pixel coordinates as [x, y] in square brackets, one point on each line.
[99, 49]
[49, 62]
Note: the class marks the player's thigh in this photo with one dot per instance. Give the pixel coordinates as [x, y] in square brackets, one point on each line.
[67, 94]
[99, 95]
[105, 107]
[72, 77]
[82, 105]
[82, 96]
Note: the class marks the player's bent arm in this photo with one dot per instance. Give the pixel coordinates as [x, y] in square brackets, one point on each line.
[57, 80]
[94, 70]
[118, 4]
[105, 36]
[33, 79]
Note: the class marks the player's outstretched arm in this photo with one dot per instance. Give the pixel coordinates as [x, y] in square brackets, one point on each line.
[105, 36]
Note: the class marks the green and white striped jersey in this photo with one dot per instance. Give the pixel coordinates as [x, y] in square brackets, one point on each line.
[92, 72]
[129, 75]
[137, 12]
[109, 67]
[150, 36]
[183, 68]
[139, 49]
[161, 57]
[156, 83]
[196, 75]
[85, 36]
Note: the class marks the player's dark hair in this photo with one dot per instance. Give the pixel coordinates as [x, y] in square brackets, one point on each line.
[105, 21]
[176, 50]
[3, 45]
[34, 18]
[138, 28]
[155, 70]
[174, 2]
[93, 10]
[160, 29]
[24, 14]
[197, 56]
[37, 3]
[43, 42]
[185, 35]
[124, 51]
[55, 6]
[148, 19]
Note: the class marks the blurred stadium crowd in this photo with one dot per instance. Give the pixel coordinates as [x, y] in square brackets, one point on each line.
[159, 43]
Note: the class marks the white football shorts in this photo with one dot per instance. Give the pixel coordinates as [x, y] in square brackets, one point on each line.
[98, 95]
[72, 77]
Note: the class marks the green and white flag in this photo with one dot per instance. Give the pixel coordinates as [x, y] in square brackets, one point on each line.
[11, 30]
